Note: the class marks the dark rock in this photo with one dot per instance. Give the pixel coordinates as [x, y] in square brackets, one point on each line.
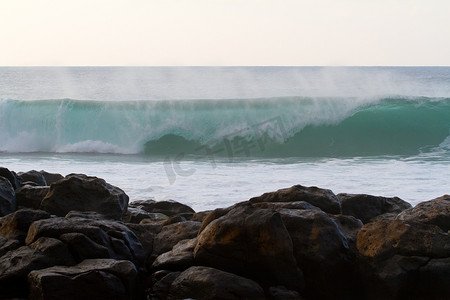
[253, 243]
[208, 283]
[31, 196]
[51, 177]
[136, 215]
[11, 176]
[85, 193]
[281, 293]
[15, 226]
[349, 226]
[436, 212]
[200, 216]
[324, 199]
[121, 242]
[400, 260]
[180, 257]
[32, 176]
[366, 207]
[286, 205]
[146, 233]
[159, 290]
[91, 279]
[170, 235]
[91, 215]
[166, 207]
[83, 247]
[219, 212]
[8, 245]
[7, 197]
[16, 265]
[322, 252]
[173, 220]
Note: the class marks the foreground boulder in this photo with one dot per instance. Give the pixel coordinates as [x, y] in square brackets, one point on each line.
[400, 260]
[171, 234]
[30, 196]
[32, 176]
[51, 177]
[15, 226]
[7, 197]
[166, 207]
[11, 176]
[435, 212]
[366, 207]
[85, 193]
[252, 243]
[92, 279]
[203, 283]
[324, 199]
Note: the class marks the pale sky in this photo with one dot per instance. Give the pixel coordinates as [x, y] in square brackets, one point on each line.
[224, 32]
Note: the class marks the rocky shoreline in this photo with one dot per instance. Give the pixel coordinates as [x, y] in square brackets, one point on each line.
[78, 237]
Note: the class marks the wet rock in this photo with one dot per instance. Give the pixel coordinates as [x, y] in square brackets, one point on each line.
[30, 196]
[16, 265]
[200, 216]
[324, 199]
[180, 257]
[162, 280]
[8, 245]
[7, 197]
[173, 220]
[435, 212]
[91, 279]
[51, 177]
[349, 227]
[321, 252]
[11, 176]
[15, 226]
[166, 207]
[170, 235]
[32, 176]
[91, 215]
[282, 293]
[136, 215]
[146, 233]
[365, 207]
[286, 205]
[208, 283]
[253, 243]
[85, 193]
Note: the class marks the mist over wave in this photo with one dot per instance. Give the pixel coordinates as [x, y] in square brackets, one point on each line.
[268, 127]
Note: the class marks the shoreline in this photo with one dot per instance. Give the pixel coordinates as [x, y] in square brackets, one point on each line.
[296, 243]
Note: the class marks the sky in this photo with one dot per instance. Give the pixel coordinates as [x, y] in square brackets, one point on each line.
[224, 32]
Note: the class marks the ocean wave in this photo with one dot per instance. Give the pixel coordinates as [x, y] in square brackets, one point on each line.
[265, 127]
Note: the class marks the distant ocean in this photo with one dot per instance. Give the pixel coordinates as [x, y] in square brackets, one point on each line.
[213, 136]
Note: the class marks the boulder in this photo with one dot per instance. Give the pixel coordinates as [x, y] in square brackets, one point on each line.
[162, 280]
[286, 205]
[166, 207]
[208, 283]
[85, 193]
[322, 252]
[8, 245]
[403, 260]
[7, 197]
[252, 243]
[146, 233]
[180, 257]
[170, 235]
[366, 207]
[435, 212]
[15, 226]
[349, 227]
[32, 176]
[16, 265]
[30, 196]
[136, 215]
[11, 176]
[51, 177]
[91, 279]
[282, 293]
[121, 243]
[324, 199]
[200, 216]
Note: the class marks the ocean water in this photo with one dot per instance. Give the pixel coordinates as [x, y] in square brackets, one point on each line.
[213, 136]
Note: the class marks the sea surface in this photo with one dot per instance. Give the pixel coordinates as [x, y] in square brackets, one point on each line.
[213, 136]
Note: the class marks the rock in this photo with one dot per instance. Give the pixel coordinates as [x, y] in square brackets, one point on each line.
[91, 215]
[436, 212]
[208, 283]
[15, 226]
[349, 226]
[321, 252]
[33, 176]
[253, 243]
[83, 247]
[162, 280]
[85, 193]
[219, 212]
[173, 220]
[365, 207]
[281, 293]
[136, 215]
[7, 197]
[8, 245]
[286, 205]
[146, 233]
[11, 176]
[170, 235]
[51, 177]
[121, 242]
[324, 199]
[200, 216]
[400, 260]
[31, 196]
[16, 265]
[166, 207]
[91, 279]
[180, 257]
